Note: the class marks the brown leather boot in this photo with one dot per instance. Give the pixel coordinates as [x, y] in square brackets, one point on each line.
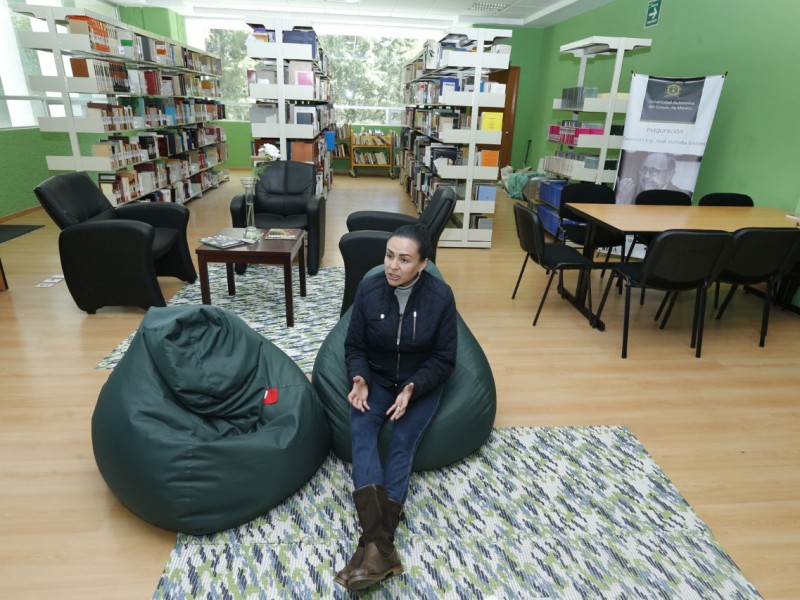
[343, 576]
[378, 523]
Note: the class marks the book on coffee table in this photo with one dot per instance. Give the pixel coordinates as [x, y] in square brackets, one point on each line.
[277, 233]
[222, 241]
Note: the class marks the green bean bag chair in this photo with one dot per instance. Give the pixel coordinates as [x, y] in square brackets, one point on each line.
[466, 414]
[204, 424]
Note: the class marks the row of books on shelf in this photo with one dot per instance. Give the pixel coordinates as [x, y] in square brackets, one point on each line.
[434, 121]
[319, 115]
[297, 35]
[124, 43]
[435, 91]
[341, 150]
[565, 162]
[127, 150]
[434, 54]
[164, 182]
[436, 155]
[371, 137]
[342, 131]
[295, 72]
[117, 77]
[362, 157]
[141, 112]
[569, 130]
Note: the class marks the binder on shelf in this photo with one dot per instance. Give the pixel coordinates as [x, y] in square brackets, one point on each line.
[491, 120]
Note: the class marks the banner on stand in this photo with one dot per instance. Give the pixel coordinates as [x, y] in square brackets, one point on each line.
[666, 130]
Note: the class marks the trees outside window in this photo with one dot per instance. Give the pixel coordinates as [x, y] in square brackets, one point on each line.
[366, 73]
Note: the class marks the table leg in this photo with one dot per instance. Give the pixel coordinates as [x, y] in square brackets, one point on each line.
[287, 290]
[205, 293]
[302, 264]
[578, 299]
[231, 280]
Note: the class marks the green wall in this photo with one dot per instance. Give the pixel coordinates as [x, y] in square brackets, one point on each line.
[757, 47]
[23, 165]
[526, 49]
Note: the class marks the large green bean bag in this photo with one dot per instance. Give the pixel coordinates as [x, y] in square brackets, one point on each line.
[204, 424]
[466, 414]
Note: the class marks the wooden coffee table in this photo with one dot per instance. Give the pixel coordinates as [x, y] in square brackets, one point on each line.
[262, 252]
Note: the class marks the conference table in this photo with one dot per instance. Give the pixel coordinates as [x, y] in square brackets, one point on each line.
[631, 219]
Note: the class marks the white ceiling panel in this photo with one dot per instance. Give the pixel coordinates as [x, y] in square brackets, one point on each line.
[398, 15]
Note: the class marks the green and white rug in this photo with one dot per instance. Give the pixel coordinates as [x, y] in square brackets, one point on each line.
[564, 512]
[259, 300]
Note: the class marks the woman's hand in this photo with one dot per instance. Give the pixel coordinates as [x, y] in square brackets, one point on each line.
[358, 395]
[398, 409]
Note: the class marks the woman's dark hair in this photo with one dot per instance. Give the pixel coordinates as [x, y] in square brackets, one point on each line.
[418, 233]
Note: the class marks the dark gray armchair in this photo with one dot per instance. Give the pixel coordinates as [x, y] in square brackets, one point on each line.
[285, 197]
[435, 217]
[112, 256]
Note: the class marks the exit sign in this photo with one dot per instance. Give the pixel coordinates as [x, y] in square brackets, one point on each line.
[653, 13]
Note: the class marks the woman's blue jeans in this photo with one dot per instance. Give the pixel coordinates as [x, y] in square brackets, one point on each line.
[406, 436]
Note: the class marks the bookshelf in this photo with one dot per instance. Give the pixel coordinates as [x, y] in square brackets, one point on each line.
[292, 90]
[588, 150]
[452, 126]
[154, 98]
[371, 149]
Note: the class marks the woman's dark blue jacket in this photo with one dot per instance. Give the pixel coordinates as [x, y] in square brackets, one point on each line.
[425, 352]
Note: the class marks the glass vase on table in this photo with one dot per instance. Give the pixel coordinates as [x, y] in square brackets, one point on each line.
[250, 233]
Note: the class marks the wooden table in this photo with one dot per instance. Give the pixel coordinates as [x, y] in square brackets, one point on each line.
[631, 219]
[262, 252]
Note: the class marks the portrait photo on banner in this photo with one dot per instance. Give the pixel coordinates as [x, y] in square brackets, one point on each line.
[640, 171]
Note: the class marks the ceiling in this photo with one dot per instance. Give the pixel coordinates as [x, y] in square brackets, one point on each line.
[409, 18]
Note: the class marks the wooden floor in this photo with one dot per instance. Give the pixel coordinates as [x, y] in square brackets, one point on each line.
[725, 427]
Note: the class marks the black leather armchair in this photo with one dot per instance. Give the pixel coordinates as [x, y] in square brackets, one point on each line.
[285, 197]
[435, 217]
[361, 251]
[113, 256]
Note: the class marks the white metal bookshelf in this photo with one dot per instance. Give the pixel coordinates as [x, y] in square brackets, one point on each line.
[119, 47]
[470, 56]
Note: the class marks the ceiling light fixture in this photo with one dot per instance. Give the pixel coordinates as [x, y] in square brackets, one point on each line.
[488, 6]
[343, 1]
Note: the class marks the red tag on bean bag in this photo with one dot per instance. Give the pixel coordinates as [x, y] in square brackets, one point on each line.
[271, 396]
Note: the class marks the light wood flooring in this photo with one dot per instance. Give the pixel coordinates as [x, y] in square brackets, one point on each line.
[725, 427]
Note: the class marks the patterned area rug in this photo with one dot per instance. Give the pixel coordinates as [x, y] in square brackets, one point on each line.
[564, 512]
[259, 300]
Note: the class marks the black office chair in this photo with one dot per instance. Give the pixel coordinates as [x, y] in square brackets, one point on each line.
[434, 217]
[112, 256]
[361, 251]
[725, 199]
[285, 197]
[760, 255]
[573, 228]
[676, 260]
[656, 198]
[553, 257]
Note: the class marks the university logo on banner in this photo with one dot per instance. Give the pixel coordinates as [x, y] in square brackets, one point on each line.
[666, 130]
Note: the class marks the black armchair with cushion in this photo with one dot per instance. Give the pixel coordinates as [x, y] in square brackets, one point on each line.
[434, 217]
[361, 251]
[285, 197]
[112, 256]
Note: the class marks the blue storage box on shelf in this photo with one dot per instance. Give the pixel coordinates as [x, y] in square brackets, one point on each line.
[550, 191]
[549, 218]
